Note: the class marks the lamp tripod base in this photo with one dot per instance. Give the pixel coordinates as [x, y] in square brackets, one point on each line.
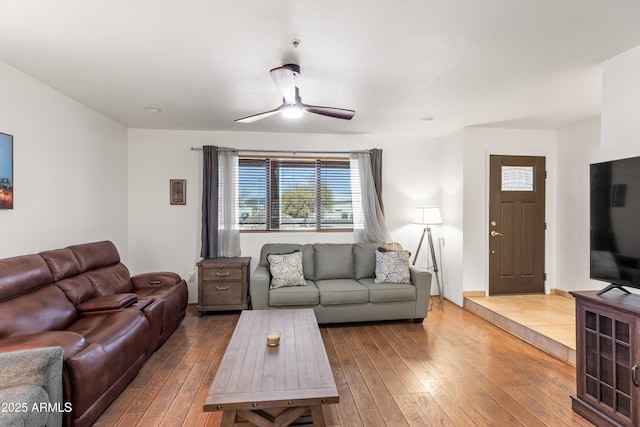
[433, 260]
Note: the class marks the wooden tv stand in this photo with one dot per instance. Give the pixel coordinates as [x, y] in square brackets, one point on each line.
[607, 336]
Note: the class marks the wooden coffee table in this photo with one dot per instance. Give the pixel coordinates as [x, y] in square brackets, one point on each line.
[265, 386]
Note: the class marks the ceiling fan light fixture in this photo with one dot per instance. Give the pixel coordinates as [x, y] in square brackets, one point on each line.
[292, 106]
[292, 111]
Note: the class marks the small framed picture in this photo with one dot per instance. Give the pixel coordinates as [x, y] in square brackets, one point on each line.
[6, 171]
[178, 191]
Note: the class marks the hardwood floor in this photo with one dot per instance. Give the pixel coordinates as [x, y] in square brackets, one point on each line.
[455, 369]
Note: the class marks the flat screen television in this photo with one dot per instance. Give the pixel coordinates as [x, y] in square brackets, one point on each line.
[615, 223]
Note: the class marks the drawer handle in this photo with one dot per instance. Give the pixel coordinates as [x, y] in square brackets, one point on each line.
[634, 375]
[222, 288]
[222, 274]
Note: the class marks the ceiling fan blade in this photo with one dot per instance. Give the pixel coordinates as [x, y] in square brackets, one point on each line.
[259, 116]
[284, 79]
[338, 113]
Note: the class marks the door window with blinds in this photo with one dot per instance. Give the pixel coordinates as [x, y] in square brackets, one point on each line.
[294, 194]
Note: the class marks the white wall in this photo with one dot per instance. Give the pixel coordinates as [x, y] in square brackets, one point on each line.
[620, 134]
[620, 106]
[452, 205]
[577, 146]
[613, 136]
[165, 237]
[478, 144]
[70, 170]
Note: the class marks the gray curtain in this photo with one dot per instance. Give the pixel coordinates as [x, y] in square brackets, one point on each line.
[210, 202]
[376, 171]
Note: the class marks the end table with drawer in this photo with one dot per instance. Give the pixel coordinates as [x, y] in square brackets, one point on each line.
[223, 284]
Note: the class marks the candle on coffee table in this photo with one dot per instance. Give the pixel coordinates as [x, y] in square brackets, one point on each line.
[273, 338]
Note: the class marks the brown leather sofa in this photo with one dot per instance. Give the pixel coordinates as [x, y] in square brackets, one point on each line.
[83, 299]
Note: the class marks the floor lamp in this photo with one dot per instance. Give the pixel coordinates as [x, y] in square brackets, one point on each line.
[429, 215]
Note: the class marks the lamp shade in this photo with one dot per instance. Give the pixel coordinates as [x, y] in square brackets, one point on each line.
[429, 215]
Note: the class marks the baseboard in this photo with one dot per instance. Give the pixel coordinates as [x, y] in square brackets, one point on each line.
[560, 292]
[471, 294]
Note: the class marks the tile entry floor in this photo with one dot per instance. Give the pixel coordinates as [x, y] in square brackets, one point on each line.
[546, 321]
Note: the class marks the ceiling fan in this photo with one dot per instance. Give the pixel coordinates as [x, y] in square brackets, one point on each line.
[292, 106]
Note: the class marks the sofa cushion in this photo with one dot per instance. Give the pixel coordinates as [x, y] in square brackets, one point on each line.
[389, 292]
[276, 248]
[62, 263]
[121, 339]
[286, 248]
[70, 342]
[295, 296]
[364, 259]
[95, 255]
[114, 279]
[333, 261]
[78, 289]
[23, 274]
[113, 331]
[392, 267]
[286, 270]
[342, 291]
[46, 309]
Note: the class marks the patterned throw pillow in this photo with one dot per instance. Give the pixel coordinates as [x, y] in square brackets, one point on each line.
[392, 267]
[286, 270]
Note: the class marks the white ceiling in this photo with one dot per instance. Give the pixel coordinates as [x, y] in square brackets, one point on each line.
[511, 63]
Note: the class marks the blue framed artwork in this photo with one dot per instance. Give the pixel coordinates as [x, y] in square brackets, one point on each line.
[6, 171]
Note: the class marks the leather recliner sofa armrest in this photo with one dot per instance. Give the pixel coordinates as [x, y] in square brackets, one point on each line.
[106, 302]
[421, 279]
[147, 280]
[259, 288]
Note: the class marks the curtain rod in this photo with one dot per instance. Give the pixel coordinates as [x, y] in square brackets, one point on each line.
[285, 151]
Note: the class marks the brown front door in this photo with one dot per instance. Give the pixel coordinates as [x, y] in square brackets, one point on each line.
[516, 225]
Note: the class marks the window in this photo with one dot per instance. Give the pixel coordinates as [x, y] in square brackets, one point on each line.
[289, 194]
[517, 178]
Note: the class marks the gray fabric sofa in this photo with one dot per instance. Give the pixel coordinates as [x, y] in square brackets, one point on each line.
[340, 285]
[31, 387]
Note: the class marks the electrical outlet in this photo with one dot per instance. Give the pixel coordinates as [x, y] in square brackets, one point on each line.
[191, 277]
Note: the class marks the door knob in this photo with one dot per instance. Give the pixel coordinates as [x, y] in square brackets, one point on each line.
[495, 233]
